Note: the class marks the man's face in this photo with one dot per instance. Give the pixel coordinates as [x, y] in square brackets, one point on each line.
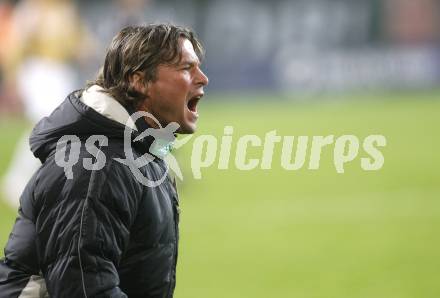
[174, 95]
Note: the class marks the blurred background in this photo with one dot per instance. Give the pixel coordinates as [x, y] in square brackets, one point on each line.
[302, 68]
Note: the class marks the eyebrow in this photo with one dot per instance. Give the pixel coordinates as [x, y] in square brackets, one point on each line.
[189, 62]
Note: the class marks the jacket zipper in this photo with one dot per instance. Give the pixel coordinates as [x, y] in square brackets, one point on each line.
[176, 217]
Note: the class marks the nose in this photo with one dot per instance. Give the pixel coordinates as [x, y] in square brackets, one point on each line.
[202, 79]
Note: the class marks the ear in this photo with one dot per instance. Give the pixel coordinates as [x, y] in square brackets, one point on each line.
[138, 83]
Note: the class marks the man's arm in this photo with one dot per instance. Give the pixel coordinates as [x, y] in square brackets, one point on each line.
[99, 229]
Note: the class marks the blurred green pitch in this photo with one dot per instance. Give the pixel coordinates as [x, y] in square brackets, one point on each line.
[278, 233]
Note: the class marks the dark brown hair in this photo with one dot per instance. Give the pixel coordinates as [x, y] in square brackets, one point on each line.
[141, 48]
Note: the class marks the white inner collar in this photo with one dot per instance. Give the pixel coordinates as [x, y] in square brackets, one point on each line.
[104, 104]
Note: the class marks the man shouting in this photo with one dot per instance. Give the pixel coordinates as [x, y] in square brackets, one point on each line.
[99, 231]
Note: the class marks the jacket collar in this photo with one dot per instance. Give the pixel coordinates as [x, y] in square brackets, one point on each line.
[96, 98]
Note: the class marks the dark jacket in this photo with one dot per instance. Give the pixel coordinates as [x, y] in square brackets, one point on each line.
[100, 234]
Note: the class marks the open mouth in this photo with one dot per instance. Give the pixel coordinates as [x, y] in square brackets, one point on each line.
[192, 103]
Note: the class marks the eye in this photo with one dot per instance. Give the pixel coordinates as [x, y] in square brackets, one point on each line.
[186, 67]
